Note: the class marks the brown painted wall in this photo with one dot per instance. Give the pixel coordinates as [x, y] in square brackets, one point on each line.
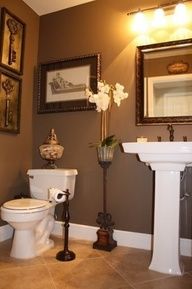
[16, 150]
[102, 26]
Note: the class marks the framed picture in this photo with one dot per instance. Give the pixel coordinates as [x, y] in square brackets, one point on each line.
[12, 41]
[61, 84]
[10, 100]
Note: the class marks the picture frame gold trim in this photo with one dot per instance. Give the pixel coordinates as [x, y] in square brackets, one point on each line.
[12, 36]
[10, 102]
[62, 83]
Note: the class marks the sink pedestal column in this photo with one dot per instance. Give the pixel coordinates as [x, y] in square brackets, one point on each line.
[167, 159]
[166, 250]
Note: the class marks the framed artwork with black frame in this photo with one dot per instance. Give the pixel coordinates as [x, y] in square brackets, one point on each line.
[10, 102]
[62, 83]
[12, 41]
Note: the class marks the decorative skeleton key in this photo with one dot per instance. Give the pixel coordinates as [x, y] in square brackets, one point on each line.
[13, 28]
[8, 87]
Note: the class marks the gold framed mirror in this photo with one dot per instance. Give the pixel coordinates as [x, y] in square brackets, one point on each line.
[164, 83]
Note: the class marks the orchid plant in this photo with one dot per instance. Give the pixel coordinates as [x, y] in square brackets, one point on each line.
[107, 95]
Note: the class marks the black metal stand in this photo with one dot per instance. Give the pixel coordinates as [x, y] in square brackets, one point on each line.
[66, 254]
[105, 239]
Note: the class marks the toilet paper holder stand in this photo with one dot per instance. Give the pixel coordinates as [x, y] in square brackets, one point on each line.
[66, 254]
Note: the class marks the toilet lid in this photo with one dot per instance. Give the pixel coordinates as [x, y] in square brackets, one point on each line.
[25, 204]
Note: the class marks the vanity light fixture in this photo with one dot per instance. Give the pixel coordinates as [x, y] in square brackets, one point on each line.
[179, 15]
[165, 6]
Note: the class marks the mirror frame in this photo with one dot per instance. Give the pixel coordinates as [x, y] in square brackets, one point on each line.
[140, 119]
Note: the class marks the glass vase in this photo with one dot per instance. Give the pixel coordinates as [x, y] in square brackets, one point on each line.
[105, 154]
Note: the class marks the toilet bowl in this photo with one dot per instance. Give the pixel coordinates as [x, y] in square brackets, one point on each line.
[24, 215]
[33, 218]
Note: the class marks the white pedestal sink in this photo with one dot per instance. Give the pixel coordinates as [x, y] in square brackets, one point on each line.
[167, 159]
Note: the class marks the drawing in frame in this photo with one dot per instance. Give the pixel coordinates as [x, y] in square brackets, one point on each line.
[12, 41]
[10, 102]
[62, 83]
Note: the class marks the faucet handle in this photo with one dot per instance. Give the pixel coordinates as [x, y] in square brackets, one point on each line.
[171, 132]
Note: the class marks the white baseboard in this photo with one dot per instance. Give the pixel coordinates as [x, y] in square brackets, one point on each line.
[123, 238]
[88, 233]
[6, 232]
[186, 247]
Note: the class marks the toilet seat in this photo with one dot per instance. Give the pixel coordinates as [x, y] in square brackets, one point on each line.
[26, 205]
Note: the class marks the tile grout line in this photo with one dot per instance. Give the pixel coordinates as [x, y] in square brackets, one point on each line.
[50, 274]
[54, 285]
[145, 281]
[119, 273]
[160, 278]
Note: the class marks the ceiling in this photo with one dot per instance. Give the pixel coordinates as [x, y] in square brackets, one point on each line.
[42, 7]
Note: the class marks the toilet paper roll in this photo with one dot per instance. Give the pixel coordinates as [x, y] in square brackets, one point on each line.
[60, 198]
[56, 195]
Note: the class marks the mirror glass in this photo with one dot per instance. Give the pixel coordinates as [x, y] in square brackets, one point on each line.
[164, 83]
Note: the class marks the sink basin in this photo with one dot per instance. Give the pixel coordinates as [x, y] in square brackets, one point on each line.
[167, 159]
[169, 154]
[159, 147]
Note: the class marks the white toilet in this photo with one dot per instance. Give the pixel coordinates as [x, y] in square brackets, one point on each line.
[33, 218]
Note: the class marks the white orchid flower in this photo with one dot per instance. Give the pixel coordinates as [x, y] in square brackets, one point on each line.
[104, 101]
[92, 98]
[119, 87]
[106, 95]
[103, 87]
[103, 98]
[88, 92]
[119, 94]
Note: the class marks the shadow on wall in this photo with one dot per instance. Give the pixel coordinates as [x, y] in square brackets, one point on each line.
[19, 188]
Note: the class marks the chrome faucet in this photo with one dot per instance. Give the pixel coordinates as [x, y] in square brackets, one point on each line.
[171, 132]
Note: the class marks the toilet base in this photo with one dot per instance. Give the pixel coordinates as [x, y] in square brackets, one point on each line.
[41, 248]
[23, 246]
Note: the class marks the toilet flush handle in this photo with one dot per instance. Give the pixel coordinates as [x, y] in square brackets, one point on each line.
[31, 177]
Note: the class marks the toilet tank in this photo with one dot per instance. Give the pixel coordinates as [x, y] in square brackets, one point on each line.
[41, 180]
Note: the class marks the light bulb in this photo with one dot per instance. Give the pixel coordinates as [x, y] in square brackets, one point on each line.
[140, 24]
[159, 18]
[180, 14]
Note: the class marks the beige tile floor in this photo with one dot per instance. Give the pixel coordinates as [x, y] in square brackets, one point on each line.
[123, 268]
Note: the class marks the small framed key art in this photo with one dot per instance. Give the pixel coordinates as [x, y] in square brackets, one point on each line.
[10, 102]
[12, 42]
